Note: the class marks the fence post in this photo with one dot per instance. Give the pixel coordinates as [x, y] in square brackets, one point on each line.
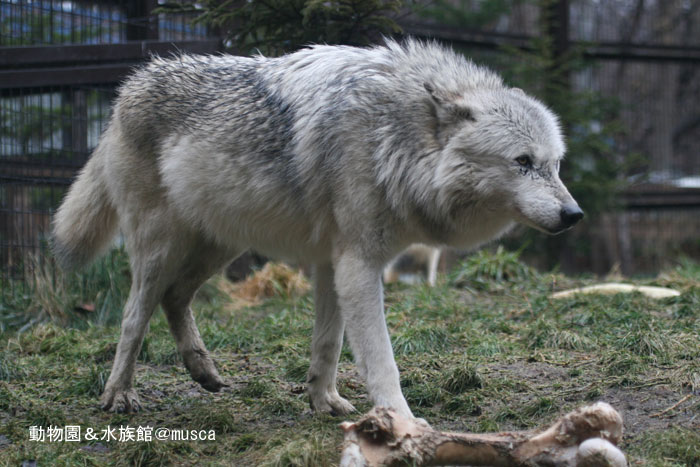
[141, 24]
[554, 24]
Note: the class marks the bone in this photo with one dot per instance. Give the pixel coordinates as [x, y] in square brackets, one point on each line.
[615, 288]
[586, 437]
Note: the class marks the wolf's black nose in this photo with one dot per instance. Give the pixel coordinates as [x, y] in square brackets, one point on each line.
[570, 214]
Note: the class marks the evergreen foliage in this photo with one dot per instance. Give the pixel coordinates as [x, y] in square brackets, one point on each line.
[274, 27]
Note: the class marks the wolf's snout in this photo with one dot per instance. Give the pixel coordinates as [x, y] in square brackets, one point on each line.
[570, 214]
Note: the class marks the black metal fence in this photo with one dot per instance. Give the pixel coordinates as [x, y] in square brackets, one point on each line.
[46, 135]
[59, 64]
[51, 22]
[60, 61]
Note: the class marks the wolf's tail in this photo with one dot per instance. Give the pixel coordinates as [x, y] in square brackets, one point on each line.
[86, 221]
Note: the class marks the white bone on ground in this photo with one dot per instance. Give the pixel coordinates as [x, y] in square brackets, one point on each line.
[597, 452]
[614, 287]
[352, 457]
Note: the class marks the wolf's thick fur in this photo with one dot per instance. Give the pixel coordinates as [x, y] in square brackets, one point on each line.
[335, 156]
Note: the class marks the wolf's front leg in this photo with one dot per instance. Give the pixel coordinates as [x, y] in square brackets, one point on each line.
[359, 286]
[326, 345]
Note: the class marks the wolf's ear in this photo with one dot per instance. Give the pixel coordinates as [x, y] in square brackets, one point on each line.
[449, 103]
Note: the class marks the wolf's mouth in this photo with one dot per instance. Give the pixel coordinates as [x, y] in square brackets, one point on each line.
[564, 225]
[557, 231]
[542, 228]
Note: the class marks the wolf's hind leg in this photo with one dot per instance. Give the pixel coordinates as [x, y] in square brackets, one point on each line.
[151, 266]
[326, 345]
[204, 261]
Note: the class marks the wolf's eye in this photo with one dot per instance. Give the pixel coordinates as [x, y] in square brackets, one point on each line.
[524, 160]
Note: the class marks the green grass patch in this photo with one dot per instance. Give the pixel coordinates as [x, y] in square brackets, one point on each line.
[462, 378]
[154, 453]
[257, 388]
[486, 270]
[10, 370]
[302, 452]
[485, 350]
[89, 382]
[674, 446]
[218, 416]
[296, 369]
[69, 299]
[421, 339]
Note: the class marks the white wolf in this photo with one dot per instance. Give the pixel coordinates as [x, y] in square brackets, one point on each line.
[337, 156]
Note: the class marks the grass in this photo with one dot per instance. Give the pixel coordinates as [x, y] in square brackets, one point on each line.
[676, 446]
[71, 299]
[484, 350]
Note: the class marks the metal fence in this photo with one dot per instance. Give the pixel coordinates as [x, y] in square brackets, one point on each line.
[51, 22]
[645, 56]
[59, 64]
[60, 61]
[659, 97]
[46, 136]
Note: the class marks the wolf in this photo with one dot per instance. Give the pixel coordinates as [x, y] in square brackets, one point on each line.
[334, 156]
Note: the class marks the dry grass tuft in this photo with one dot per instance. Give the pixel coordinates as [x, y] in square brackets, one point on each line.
[273, 280]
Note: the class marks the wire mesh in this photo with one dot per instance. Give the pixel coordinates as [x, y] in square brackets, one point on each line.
[655, 22]
[50, 22]
[46, 135]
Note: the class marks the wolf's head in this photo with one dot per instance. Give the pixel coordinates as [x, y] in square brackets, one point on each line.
[502, 150]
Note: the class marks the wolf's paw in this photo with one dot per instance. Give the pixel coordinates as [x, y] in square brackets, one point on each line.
[331, 403]
[202, 370]
[120, 401]
[210, 382]
[397, 403]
